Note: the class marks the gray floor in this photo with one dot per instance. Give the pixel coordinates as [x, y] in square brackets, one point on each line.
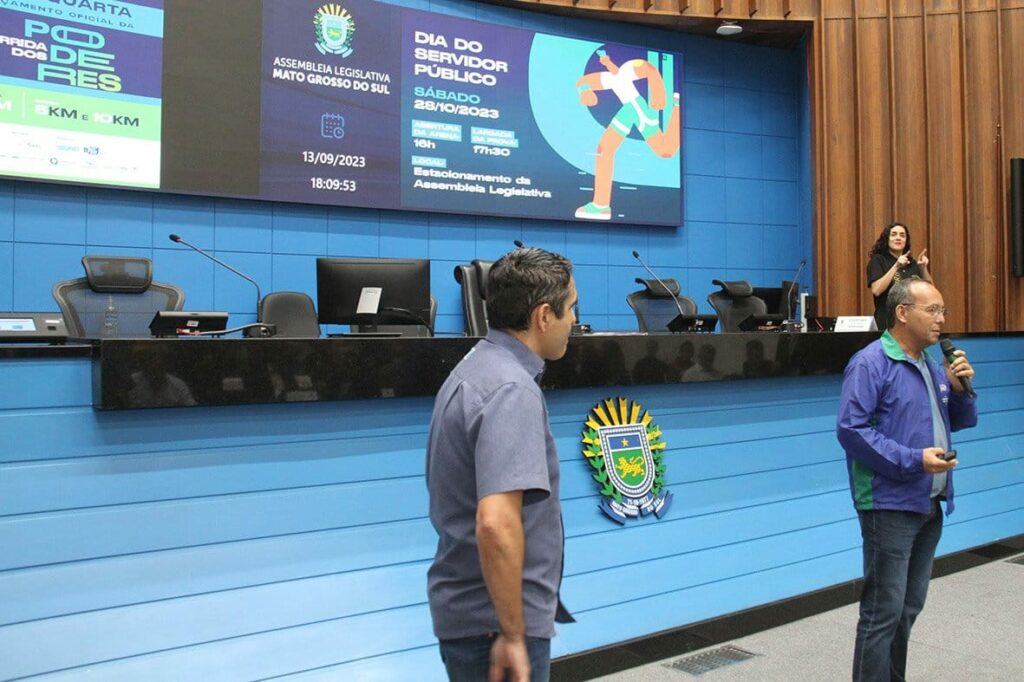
[972, 628]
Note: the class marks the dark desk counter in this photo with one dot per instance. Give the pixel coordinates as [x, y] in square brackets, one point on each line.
[143, 373]
[10, 351]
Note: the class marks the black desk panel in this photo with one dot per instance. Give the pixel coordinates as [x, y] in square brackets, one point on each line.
[14, 351]
[141, 373]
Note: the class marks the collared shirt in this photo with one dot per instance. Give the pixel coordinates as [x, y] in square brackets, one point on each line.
[938, 428]
[489, 434]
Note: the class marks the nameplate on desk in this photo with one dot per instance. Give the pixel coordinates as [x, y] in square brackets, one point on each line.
[855, 323]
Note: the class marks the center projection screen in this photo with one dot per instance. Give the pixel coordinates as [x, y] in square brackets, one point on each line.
[367, 104]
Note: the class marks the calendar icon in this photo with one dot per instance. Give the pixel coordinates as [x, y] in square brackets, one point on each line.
[332, 126]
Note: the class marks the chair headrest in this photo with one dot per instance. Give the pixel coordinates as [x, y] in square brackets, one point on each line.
[483, 271]
[118, 274]
[735, 288]
[481, 268]
[289, 299]
[655, 288]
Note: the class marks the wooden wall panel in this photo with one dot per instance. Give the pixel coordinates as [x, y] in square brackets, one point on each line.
[874, 9]
[955, 92]
[803, 9]
[1012, 38]
[942, 7]
[983, 221]
[1013, 83]
[945, 230]
[910, 179]
[840, 172]
[873, 126]
[906, 8]
[838, 9]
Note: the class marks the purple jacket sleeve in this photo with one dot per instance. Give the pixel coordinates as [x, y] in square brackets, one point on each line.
[855, 428]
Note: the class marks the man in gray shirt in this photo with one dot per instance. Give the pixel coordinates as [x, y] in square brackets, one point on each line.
[492, 475]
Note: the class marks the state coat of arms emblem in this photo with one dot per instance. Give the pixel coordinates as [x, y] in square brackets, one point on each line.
[623, 445]
[334, 28]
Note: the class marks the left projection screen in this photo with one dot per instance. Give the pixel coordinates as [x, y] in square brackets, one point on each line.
[80, 91]
[359, 103]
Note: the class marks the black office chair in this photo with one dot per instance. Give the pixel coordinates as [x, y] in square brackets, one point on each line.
[292, 312]
[473, 278]
[116, 298]
[415, 330]
[654, 306]
[735, 303]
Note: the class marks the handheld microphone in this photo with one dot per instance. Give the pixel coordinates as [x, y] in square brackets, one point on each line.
[948, 350]
[259, 298]
[789, 294]
[675, 299]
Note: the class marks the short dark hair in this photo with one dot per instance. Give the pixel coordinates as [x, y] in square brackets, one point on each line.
[520, 281]
[899, 294]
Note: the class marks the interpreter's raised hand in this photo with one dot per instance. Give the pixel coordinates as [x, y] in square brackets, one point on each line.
[903, 261]
[933, 464]
[508, 655]
[922, 258]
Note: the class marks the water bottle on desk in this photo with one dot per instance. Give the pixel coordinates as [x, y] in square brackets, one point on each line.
[109, 330]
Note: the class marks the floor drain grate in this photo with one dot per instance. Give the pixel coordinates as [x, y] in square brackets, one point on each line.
[1017, 560]
[705, 662]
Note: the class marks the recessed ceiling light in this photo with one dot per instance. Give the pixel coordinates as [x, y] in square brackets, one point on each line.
[729, 28]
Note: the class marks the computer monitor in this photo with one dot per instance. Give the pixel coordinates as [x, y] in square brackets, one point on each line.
[775, 298]
[404, 285]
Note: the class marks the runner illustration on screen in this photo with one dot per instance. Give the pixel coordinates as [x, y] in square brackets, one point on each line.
[636, 112]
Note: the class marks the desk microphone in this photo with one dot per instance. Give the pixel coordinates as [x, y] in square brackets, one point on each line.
[259, 298]
[949, 350]
[518, 243]
[675, 299]
[789, 294]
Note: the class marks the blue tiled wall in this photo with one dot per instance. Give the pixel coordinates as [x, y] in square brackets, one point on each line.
[746, 196]
[291, 541]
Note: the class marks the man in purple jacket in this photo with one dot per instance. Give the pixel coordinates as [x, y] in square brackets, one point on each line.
[897, 409]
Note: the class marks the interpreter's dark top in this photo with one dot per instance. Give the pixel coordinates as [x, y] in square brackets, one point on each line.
[877, 267]
[489, 434]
